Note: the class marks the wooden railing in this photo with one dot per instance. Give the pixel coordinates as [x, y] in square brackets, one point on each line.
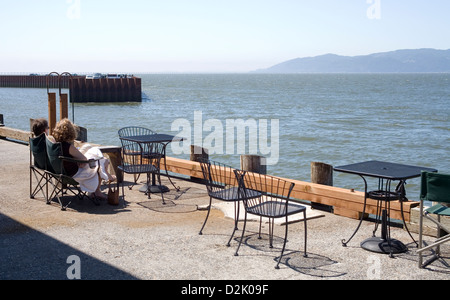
[348, 203]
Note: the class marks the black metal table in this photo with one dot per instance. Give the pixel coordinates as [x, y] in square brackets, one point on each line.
[386, 173]
[163, 139]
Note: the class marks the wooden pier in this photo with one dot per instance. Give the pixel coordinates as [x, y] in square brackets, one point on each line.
[82, 89]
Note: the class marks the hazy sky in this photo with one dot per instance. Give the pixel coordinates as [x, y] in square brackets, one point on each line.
[208, 35]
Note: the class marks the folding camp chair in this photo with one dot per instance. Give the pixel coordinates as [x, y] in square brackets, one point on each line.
[435, 188]
[62, 182]
[38, 166]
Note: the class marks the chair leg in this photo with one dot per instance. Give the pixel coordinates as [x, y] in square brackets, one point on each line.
[31, 188]
[284, 243]
[162, 191]
[271, 225]
[439, 231]
[207, 216]
[123, 190]
[236, 221]
[167, 172]
[147, 192]
[260, 225]
[160, 187]
[40, 183]
[118, 191]
[420, 234]
[242, 236]
[306, 233]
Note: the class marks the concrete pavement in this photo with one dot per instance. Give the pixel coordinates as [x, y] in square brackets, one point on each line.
[145, 240]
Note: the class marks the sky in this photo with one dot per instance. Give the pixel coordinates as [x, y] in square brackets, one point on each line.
[203, 36]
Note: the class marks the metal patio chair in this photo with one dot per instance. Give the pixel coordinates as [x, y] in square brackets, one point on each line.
[135, 131]
[221, 184]
[435, 187]
[136, 161]
[273, 202]
[138, 130]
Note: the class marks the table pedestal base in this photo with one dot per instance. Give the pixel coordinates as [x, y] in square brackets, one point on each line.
[154, 189]
[380, 245]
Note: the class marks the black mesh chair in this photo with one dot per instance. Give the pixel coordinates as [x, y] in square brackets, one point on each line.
[221, 184]
[135, 131]
[136, 161]
[273, 202]
[150, 152]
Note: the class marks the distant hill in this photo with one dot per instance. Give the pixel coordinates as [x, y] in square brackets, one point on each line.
[400, 61]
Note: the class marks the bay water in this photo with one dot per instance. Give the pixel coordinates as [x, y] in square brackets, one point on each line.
[332, 118]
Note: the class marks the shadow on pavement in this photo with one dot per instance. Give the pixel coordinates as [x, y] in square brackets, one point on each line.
[27, 254]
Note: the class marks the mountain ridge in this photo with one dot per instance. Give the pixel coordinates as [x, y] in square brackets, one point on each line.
[423, 60]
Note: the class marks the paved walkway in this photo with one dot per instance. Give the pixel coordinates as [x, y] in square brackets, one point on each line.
[147, 241]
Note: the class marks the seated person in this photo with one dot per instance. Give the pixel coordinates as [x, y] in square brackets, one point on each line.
[95, 153]
[89, 179]
[39, 127]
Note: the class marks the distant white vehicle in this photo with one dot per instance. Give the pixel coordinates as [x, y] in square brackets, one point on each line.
[109, 76]
[95, 76]
[116, 76]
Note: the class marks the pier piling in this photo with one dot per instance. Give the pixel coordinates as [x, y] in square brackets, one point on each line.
[82, 89]
[254, 163]
[51, 112]
[322, 173]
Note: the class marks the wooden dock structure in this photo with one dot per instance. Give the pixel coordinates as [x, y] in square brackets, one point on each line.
[81, 88]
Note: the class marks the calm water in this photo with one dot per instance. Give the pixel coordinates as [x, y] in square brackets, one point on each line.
[333, 118]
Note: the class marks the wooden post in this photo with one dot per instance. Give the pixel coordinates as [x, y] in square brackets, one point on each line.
[51, 111]
[63, 106]
[254, 163]
[82, 134]
[321, 173]
[197, 154]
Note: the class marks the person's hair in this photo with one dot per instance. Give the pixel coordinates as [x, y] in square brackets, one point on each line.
[39, 126]
[65, 131]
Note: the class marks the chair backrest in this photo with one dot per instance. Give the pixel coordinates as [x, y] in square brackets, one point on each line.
[151, 150]
[273, 189]
[134, 131]
[435, 187]
[38, 148]
[141, 153]
[131, 153]
[217, 175]
[54, 151]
